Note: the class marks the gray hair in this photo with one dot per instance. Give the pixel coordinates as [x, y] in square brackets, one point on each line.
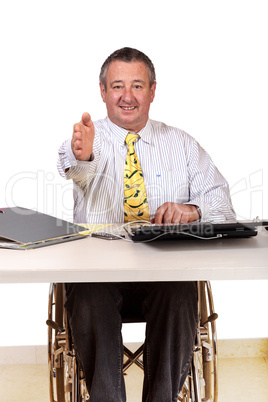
[127, 55]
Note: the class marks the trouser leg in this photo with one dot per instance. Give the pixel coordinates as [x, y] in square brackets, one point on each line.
[170, 309]
[171, 315]
[95, 321]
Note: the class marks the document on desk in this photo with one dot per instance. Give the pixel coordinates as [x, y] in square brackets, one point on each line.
[22, 229]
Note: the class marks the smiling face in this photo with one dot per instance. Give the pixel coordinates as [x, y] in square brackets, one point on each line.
[128, 94]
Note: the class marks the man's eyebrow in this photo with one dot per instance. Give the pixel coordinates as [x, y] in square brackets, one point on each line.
[116, 82]
[121, 81]
[143, 82]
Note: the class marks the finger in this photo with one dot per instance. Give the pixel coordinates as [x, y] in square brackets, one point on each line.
[177, 216]
[159, 214]
[75, 149]
[77, 127]
[185, 218]
[190, 214]
[164, 213]
[168, 216]
[83, 124]
[78, 145]
[77, 136]
[86, 120]
[78, 153]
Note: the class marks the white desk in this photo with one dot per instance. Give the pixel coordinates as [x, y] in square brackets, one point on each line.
[96, 260]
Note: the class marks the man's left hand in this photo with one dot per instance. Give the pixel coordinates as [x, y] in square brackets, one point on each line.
[172, 212]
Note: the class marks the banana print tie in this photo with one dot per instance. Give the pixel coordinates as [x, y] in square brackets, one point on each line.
[135, 198]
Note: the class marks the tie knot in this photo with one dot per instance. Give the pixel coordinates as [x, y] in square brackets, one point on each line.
[131, 139]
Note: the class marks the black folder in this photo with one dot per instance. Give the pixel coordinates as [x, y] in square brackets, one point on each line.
[22, 228]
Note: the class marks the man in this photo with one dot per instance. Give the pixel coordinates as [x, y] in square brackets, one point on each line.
[181, 185]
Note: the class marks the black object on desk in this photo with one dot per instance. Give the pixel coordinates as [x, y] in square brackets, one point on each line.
[195, 230]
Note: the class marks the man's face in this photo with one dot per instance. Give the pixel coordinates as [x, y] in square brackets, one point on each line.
[128, 94]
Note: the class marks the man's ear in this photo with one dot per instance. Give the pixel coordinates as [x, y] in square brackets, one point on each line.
[153, 88]
[103, 92]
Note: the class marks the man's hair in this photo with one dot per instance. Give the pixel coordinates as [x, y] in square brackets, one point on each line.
[127, 55]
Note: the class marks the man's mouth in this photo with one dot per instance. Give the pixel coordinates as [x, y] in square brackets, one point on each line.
[128, 107]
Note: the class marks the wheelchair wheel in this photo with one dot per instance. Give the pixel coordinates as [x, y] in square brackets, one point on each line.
[64, 374]
[201, 383]
[205, 353]
[55, 349]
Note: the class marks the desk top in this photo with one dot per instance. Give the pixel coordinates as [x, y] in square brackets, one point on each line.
[97, 260]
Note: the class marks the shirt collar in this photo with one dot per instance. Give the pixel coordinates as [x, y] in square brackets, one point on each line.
[121, 133]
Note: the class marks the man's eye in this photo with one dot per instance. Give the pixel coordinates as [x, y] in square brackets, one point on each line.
[117, 87]
[138, 86]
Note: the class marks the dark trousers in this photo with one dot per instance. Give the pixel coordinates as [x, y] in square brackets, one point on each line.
[95, 313]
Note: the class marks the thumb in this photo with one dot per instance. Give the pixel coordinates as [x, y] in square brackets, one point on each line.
[86, 119]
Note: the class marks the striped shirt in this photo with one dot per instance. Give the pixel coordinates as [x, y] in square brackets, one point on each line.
[175, 169]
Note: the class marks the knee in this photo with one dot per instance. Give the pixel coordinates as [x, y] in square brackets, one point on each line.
[178, 291]
[94, 297]
[179, 298]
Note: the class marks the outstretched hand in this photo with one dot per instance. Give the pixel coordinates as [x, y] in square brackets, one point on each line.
[83, 137]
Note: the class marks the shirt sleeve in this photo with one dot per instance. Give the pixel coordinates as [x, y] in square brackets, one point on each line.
[71, 168]
[208, 188]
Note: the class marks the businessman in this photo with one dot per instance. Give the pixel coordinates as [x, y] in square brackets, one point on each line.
[128, 167]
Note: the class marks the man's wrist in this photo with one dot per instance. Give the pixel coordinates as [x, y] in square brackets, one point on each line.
[199, 212]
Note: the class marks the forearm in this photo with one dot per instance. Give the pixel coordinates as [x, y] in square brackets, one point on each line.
[208, 188]
[215, 204]
[70, 168]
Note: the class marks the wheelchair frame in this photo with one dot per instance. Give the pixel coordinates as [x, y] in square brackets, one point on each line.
[67, 382]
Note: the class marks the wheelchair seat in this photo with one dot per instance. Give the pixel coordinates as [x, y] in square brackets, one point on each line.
[67, 382]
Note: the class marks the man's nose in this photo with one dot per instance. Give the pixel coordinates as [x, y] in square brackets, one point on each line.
[127, 95]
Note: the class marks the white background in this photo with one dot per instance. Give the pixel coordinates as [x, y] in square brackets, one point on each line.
[211, 65]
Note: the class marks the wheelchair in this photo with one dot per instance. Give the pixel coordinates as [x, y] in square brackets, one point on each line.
[67, 381]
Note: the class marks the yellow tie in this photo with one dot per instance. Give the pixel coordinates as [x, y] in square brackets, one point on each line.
[135, 198]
